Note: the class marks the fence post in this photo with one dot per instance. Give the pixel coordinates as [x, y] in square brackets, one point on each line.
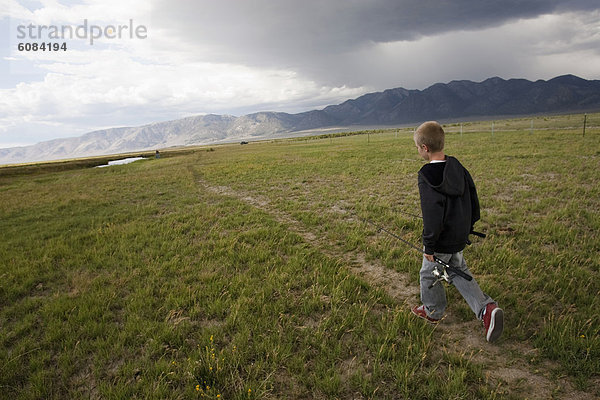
[531, 128]
[584, 121]
[492, 128]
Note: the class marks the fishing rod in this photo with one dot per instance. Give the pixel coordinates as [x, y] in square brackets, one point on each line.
[441, 274]
[410, 214]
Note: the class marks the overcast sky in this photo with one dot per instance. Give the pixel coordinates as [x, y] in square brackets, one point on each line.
[165, 59]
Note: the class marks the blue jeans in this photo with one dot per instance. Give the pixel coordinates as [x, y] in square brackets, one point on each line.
[434, 299]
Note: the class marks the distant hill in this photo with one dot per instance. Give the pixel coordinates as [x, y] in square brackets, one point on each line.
[457, 99]
[463, 99]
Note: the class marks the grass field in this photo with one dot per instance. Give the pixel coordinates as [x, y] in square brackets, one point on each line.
[246, 272]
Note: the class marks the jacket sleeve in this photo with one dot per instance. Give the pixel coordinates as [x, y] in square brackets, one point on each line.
[432, 208]
[475, 211]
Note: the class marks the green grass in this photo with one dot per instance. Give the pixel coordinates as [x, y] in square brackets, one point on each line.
[137, 281]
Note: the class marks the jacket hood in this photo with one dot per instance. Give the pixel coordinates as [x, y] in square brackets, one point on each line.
[453, 182]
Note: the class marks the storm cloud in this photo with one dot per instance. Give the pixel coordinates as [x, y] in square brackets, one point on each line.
[318, 38]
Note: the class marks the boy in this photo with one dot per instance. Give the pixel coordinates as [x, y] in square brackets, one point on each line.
[449, 207]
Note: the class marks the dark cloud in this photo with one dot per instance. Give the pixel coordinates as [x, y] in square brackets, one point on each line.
[308, 35]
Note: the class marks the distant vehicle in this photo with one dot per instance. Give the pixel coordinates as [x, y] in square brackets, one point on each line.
[243, 142]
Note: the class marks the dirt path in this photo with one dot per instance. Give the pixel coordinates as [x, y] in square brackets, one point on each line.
[504, 363]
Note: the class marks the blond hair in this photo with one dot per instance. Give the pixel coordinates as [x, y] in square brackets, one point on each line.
[431, 134]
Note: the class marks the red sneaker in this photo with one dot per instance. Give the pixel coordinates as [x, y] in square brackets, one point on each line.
[493, 322]
[420, 312]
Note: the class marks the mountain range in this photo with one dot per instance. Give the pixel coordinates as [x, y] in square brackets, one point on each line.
[462, 99]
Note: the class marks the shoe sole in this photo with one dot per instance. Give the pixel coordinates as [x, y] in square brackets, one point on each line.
[496, 325]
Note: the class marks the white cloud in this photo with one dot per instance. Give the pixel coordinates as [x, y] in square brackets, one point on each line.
[113, 77]
[54, 12]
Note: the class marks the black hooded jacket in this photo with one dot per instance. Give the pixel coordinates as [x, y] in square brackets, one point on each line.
[449, 205]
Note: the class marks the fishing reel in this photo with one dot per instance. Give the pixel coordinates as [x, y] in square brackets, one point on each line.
[440, 274]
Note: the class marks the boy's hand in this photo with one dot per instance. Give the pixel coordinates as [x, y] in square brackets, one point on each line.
[429, 257]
